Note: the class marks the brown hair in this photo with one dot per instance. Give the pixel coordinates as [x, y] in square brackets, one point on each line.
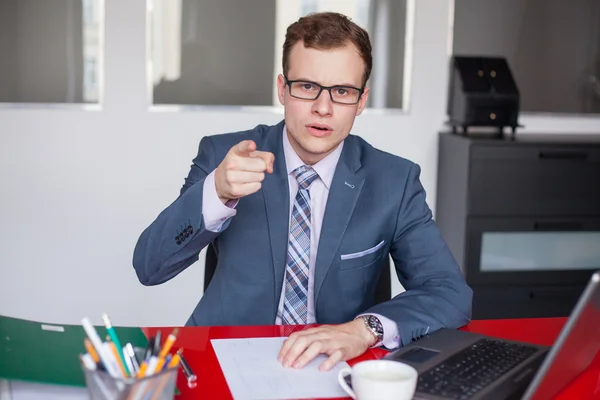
[328, 30]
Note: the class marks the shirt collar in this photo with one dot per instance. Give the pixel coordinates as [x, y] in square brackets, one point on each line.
[324, 168]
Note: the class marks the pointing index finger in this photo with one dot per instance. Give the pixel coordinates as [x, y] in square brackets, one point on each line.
[267, 157]
[244, 148]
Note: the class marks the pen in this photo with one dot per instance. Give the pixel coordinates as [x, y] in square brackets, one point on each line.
[129, 363]
[102, 354]
[128, 350]
[167, 361]
[149, 348]
[169, 343]
[189, 374]
[115, 339]
[156, 348]
[151, 352]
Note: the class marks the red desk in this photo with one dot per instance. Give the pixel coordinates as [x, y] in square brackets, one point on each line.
[212, 385]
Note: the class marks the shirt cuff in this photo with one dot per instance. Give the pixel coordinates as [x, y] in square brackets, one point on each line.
[391, 335]
[215, 213]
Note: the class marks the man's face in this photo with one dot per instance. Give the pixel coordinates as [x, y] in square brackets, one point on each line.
[316, 127]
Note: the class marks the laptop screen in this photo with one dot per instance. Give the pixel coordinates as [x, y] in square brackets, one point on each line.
[575, 348]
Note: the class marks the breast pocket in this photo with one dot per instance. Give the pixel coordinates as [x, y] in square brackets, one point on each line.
[362, 258]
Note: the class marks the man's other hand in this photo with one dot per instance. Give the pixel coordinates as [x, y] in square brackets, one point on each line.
[242, 171]
[340, 342]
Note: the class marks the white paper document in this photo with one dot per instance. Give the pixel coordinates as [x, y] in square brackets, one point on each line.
[252, 372]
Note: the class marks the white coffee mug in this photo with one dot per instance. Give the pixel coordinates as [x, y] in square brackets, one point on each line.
[380, 380]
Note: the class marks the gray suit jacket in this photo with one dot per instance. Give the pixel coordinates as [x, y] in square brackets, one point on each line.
[375, 197]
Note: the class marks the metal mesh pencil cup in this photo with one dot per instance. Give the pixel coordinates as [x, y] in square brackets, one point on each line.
[102, 386]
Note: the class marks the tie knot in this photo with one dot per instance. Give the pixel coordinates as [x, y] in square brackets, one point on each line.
[305, 176]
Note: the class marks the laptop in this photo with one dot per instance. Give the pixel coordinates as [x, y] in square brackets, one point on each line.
[454, 364]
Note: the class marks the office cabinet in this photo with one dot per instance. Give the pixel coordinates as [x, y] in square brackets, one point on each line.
[522, 218]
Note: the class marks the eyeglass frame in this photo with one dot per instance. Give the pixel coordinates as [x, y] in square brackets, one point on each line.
[321, 88]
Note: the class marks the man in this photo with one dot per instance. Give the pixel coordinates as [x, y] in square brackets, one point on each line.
[302, 214]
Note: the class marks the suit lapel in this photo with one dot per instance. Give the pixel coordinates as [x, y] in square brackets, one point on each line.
[343, 195]
[277, 204]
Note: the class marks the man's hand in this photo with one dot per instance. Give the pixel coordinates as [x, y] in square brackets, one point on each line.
[242, 171]
[339, 342]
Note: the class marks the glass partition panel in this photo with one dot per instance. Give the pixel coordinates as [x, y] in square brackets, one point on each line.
[50, 51]
[228, 52]
[552, 48]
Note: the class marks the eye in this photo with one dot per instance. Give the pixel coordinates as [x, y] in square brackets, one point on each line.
[341, 91]
[307, 86]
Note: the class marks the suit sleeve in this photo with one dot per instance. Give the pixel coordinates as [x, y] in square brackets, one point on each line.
[437, 295]
[175, 238]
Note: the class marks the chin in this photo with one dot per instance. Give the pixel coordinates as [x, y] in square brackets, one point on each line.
[318, 147]
[314, 147]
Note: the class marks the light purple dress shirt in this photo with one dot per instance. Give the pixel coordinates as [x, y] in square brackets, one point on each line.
[215, 213]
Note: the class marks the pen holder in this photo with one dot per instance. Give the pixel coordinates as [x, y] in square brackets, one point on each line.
[159, 386]
[102, 386]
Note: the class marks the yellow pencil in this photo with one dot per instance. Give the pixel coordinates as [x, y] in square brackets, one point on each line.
[90, 349]
[142, 370]
[115, 353]
[175, 360]
[159, 365]
[168, 343]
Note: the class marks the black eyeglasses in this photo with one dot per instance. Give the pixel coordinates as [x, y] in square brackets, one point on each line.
[307, 90]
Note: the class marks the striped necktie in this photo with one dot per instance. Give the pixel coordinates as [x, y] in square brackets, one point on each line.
[295, 309]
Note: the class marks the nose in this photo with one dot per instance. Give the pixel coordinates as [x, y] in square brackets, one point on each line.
[323, 104]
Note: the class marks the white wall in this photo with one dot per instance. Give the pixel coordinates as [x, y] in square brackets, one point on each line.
[79, 187]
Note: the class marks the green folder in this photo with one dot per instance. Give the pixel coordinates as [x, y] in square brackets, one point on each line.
[49, 353]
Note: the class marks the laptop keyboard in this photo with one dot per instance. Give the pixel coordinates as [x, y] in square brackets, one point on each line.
[472, 369]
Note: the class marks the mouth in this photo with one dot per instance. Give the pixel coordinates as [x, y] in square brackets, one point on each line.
[319, 130]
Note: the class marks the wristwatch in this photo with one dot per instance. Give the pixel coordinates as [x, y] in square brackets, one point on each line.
[374, 325]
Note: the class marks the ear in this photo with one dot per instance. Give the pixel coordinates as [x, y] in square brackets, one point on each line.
[281, 86]
[362, 102]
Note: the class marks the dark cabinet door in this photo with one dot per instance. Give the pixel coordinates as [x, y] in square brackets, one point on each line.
[531, 251]
[534, 181]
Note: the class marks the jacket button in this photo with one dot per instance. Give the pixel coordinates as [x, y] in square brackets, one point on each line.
[178, 243]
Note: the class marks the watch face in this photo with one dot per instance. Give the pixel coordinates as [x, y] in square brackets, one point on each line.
[375, 324]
